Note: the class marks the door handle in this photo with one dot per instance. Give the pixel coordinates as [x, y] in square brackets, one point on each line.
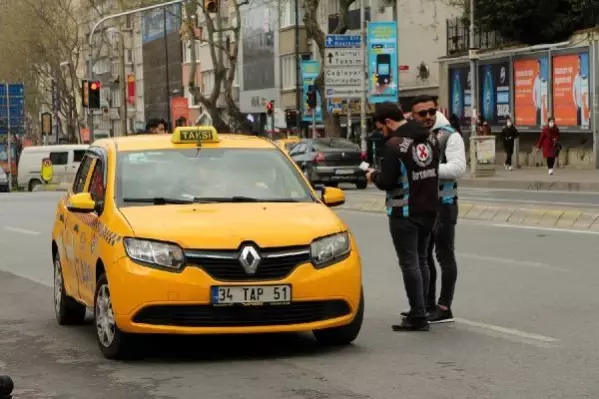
[76, 228]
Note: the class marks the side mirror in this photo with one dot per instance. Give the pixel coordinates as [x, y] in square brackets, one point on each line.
[81, 203]
[332, 196]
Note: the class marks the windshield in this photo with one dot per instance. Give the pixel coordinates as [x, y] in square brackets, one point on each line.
[209, 175]
[341, 144]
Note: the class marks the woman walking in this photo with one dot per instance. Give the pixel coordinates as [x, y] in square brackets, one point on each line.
[509, 134]
[549, 142]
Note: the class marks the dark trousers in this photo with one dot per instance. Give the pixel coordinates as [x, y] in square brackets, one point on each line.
[508, 157]
[550, 162]
[442, 244]
[410, 238]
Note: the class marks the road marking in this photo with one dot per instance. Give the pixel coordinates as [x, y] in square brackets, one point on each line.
[509, 331]
[554, 229]
[513, 262]
[22, 231]
[550, 204]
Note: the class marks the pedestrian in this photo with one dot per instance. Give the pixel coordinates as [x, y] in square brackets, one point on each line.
[550, 144]
[452, 166]
[156, 126]
[509, 134]
[409, 175]
[455, 123]
[485, 129]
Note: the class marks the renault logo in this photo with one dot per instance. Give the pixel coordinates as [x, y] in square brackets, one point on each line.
[249, 259]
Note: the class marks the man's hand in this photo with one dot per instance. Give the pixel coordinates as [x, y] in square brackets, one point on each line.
[369, 174]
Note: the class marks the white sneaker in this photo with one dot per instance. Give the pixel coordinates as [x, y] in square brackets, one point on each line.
[506, 167]
[551, 172]
[510, 168]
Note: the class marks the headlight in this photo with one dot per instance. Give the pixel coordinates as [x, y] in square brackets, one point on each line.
[156, 253]
[328, 250]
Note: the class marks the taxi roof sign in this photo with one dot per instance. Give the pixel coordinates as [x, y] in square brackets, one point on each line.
[194, 134]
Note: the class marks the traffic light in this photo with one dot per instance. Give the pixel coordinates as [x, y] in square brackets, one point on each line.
[94, 95]
[211, 6]
[85, 93]
[311, 99]
[46, 124]
[270, 107]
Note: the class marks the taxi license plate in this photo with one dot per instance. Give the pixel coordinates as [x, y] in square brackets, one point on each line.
[251, 294]
[344, 172]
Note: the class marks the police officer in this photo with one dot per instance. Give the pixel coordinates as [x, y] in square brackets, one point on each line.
[409, 175]
[451, 168]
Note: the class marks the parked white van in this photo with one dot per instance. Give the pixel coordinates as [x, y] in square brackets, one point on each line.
[65, 163]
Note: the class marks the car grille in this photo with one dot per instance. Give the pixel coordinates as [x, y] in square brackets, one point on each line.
[275, 263]
[242, 316]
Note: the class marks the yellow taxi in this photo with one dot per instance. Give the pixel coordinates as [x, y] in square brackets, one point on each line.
[288, 143]
[201, 233]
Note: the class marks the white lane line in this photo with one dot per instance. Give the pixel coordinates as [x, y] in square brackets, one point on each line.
[515, 202]
[22, 231]
[508, 331]
[554, 229]
[511, 262]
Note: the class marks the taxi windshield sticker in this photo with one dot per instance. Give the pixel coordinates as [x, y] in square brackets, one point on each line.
[138, 158]
[196, 134]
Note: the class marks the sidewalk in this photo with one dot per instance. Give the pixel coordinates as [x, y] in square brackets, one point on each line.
[537, 179]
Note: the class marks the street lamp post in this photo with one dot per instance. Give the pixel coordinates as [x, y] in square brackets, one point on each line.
[90, 43]
[472, 55]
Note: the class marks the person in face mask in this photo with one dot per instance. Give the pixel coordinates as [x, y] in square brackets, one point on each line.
[509, 134]
[549, 143]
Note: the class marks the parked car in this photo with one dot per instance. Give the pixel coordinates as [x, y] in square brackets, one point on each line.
[3, 181]
[330, 161]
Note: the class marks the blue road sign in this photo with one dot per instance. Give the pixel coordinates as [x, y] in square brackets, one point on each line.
[342, 41]
[15, 106]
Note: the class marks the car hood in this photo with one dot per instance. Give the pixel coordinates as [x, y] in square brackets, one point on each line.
[226, 225]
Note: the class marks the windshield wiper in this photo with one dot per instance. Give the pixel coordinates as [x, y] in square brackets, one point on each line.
[159, 200]
[241, 198]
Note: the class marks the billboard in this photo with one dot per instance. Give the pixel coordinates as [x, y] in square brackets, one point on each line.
[571, 105]
[531, 77]
[310, 71]
[382, 62]
[494, 86]
[460, 101]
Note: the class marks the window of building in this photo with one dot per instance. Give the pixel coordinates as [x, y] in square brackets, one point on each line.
[207, 81]
[288, 13]
[288, 71]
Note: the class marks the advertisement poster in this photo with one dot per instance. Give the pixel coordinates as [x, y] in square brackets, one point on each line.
[571, 90]
[495, 92]
[531, 91]
[310, 71]
[4, 157]
[460, 93]
[382, 62]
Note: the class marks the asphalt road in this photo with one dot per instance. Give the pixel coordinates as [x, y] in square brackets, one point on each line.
[561, 199]
[527, 328]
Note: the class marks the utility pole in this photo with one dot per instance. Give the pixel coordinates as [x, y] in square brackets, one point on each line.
[298, 91]
[472, 55]
[123, 110]
[8, 137]
[365, 76]
[168, 86]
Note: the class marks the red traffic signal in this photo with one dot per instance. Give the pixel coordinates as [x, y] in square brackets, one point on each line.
[270, 106]
[95, 86]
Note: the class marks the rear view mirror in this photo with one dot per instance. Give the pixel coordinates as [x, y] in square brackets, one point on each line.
[332, 196]
[81, 203]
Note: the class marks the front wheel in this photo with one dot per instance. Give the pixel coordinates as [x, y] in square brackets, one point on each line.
[114, 344]
[361, 185]
[67, 310]
[344, 335]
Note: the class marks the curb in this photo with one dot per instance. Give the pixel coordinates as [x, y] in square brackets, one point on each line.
[51, 187]
[557, 218]
[531, 185]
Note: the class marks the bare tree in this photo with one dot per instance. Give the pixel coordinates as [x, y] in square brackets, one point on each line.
[315, 33]
[224, 44]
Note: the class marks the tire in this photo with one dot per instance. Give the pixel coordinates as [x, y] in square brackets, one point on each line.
[344, 335]
[115, 347]
[361, 185]
[33, 184]
[67, 310]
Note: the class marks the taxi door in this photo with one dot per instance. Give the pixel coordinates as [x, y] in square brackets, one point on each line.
[70, 233]
[90, 231]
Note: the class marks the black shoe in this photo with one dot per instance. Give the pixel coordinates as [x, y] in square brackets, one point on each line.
[440, 316]
[428, 310]
[408, 324]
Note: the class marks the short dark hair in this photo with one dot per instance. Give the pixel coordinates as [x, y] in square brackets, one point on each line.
[388, 110]
[154, 122]
[424, 99]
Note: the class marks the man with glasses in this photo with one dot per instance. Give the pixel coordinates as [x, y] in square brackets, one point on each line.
[451, 168]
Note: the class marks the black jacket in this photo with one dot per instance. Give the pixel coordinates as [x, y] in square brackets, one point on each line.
[410, 171]
[509, 134]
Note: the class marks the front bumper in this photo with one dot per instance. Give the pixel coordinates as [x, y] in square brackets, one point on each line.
[334, 174]
[151, 301]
